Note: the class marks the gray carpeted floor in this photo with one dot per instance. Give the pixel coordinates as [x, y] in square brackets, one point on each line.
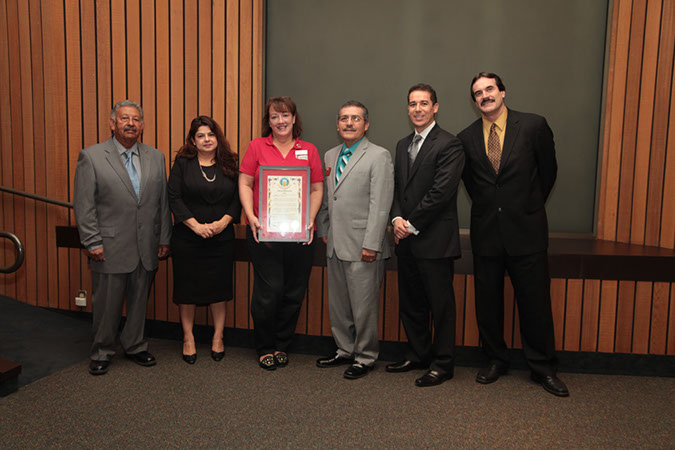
[236, 404]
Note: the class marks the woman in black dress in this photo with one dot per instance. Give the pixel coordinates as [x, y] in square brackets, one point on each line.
[205, 203]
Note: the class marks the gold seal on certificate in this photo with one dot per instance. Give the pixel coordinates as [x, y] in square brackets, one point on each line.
[284, 203]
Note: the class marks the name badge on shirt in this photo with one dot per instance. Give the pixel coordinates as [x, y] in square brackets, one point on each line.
[301, 154]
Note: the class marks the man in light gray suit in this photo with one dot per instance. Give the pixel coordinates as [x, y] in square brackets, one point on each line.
[352, 221]
[122, 212]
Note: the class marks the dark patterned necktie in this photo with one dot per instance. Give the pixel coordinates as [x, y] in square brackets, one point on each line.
[494, 150]
[344, 159]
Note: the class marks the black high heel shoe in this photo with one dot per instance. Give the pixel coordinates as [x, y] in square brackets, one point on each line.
[190, 359]
[217, 356]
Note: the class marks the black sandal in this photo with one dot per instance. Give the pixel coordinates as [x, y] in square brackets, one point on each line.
[267, 363]
[281, 359]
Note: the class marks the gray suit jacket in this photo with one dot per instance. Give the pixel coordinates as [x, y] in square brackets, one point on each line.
[108, 212]
[354, 214]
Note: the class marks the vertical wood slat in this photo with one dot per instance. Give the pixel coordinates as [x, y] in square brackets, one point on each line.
[645, 120]
[39, 142]
[218, 97]
[590, 315]
[642, 317]
[624, 317]
[616, 91]
[608, 304]
[664, 78]
[74, 122]
[574, 297]
[630, 121]
[8, 286]
[29, 238]
[670, 346]
[558, 291]
[659, 319]
[12, 169]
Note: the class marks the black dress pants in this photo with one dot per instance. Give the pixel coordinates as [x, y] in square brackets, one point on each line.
[281, 273]
[532, 288]
[426, 291]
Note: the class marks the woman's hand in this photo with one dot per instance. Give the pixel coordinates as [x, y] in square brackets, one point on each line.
[218, 226]
[199, 229]
[255, 226]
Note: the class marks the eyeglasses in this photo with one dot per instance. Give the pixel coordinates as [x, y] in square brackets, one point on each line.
[345, 119]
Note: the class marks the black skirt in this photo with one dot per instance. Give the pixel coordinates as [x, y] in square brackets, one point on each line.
[202, 270]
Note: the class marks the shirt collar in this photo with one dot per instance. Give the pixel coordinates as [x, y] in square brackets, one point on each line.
[427, 130]
[352, 148]
[500, 122]
[120, 148]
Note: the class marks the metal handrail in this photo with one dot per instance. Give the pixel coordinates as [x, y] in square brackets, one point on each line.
[19, 252]
[36, 197]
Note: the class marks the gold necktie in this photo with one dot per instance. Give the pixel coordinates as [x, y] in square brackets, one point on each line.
[494, 150]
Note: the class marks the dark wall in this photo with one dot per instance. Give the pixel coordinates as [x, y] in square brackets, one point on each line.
[549, 54]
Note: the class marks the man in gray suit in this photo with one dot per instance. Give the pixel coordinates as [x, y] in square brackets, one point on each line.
[122, 212]
[352, 221]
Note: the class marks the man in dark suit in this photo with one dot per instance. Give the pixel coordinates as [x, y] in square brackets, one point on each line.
[428, 167]
[122, 212]
[509, 173]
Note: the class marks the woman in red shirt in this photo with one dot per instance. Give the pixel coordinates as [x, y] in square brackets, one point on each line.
[281, 269]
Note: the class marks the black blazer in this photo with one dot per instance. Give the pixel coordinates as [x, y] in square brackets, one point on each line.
[507, 211]
[426, 193]
[190, 195]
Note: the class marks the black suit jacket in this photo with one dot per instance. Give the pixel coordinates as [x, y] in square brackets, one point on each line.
[426, 193]
[507, 211]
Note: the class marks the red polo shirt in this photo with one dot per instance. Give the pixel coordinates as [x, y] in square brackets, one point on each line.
[263, 152]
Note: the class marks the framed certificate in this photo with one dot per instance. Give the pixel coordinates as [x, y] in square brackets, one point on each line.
[283, 207]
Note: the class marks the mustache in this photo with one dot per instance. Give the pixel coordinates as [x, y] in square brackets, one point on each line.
[130, 128]
[486, 100]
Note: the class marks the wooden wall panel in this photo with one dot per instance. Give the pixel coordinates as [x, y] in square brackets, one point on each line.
[636, 177]
[63, 65]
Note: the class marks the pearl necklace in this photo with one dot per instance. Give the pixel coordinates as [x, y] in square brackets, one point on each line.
[210, 180]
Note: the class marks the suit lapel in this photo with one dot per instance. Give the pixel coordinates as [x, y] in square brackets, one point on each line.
[146, 165]
[403, 159]
[512, 129]
[353, 160]
[424, 150]
[115, 160]
[479, 145]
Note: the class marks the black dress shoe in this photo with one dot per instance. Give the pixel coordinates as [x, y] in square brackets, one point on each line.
[404, 366]
[551, 384]
[432, 378]
[142, 358]
[190, 359]
[357, 370]
[98, 367]
[332, 361]
[490, 374]
[217, 356]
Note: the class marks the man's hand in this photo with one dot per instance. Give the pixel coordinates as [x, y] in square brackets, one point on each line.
[163, 251]
[325, 240]
[401, 229]
[368, 255]
[96, 254]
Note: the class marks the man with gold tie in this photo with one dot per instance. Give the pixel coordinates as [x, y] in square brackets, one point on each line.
[509, 173]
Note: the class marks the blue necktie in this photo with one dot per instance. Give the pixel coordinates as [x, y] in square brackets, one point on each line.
[342, 163]
[129, 165]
